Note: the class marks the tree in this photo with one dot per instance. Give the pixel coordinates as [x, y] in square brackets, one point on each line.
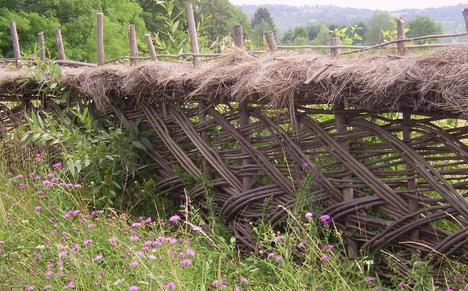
[380, 21]
[261, 23]
[424, 25]
[323, 36]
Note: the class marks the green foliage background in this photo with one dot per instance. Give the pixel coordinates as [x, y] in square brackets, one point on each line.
[165, 20]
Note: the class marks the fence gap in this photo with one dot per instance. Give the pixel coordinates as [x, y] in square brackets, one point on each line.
[100, 39]
[401, 36]
[193, 34]
[270, 38]
[133, 44]
[59, 44]
[151, 49]
[16, 45]
[41, 45]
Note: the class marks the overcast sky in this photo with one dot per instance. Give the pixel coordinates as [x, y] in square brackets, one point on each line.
[370, 4]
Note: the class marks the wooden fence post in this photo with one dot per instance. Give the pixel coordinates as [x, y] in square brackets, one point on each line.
[193, 33]
[59, 43]
[133, 44]
[270, 38]
[400, 36]
[342, 128]
[335, 52]
[465, 16]
[238, 36]
[41, 45]
[16, 45]
[151, 49]
[100, 39]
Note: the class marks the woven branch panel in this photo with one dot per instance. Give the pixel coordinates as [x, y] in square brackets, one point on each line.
[256, 134]
[388, 181]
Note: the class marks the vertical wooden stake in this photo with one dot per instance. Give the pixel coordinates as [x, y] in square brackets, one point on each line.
[59, 43]
[342, 128]
[151, 49]
[193, 33]
[465, 16]
[270, 38]
[41, 44]
[400, 36]
[238, 36]
[16, 45]
[335, 52]
[412, 187]
[133, 44]
[100, 39]
[244, 121]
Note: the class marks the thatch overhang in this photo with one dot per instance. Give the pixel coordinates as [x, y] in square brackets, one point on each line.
[428, 83]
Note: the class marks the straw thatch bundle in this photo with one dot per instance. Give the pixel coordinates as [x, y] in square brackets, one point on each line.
[435, 82]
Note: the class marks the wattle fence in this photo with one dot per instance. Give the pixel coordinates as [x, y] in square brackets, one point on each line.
[365, 141]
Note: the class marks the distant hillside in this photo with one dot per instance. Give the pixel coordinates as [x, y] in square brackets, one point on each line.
[287, 17]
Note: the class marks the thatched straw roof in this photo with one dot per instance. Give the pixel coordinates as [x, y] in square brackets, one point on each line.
[436, 82]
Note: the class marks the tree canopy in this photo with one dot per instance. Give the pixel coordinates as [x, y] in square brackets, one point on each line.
[381, 21]
[424, 25]
[261, 23]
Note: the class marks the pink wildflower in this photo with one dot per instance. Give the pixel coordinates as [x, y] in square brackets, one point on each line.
[244, 280]
[325, 219]
[151, 257]
[22, 186]
[75, 248]
[133, 264]
[401, 285]
[37, 209]
[47, 183]
[77, 186]
[139, 254]
[270, 256]
[57, 166]
[190, 253]
[133, 237]
[278, 259]
[170, 286]
[47, 287]
[174, 218]
[19, 177]
[70, 285]
[133, 288]
[112, 241]
[41, 195]
[29, 288]
[87, 242]
[309, 215]
[186, 263]
[48, 275]
[218, 284]
[325, 258]
[98, 258]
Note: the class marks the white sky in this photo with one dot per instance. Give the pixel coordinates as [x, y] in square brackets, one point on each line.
[370, 4]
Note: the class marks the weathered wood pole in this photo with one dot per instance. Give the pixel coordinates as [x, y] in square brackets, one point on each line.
[41, 45]
[193, 34]
[401, 36]
[16, 45]
[238, 36]
[335, 51]
[411, 182]
[59, 44]
[465, 16]
[270, 38]
[151, 49]
[133, 44]
[100, 39]
[244, 121]
[342, 128]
